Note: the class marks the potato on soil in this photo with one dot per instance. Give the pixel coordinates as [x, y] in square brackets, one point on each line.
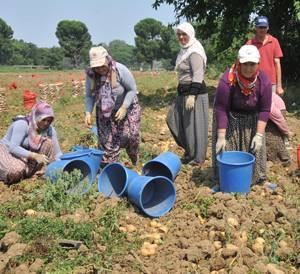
[131, 228]
[233, 222]
[241, 236]
[230, 246]
[155, 224]
[163, 229]
[258, 248]
[122, 229]
[217, 245]
[260, 240]
[30, 212]
[147, 252]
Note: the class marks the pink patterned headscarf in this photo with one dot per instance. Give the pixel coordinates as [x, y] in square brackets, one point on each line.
[104, 90]
[36, 136]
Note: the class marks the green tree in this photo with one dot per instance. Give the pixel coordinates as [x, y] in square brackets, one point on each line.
[122, 52]
[26, 53]
[6, 34]
[169, 47]
[20, 53]
[41, 56]
[147, 40]
[35, 54]
[54, 57]
[114, 45]
[73, 37]
[233, 20]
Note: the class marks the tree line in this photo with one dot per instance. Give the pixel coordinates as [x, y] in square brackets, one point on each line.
[226, 25]
[221, 26]
[153, 42]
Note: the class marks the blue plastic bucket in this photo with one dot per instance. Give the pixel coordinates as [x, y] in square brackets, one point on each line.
[166, 164]
[80, 154]
[114, 180]
[69, 166]
[97, 157]
[77, 148]
[154, 195]
[235, 171]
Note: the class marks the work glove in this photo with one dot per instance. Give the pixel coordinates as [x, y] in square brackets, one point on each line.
[190, 102]
[40, 158]
[221, 143]
[256, 143]
[290, 135]
[121, 113]
[88, 116]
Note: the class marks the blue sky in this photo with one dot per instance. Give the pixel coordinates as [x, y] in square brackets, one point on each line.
[35, 21]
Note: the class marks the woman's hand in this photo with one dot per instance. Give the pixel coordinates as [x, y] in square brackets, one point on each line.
[190, 102]
[121, 113]
[88, 119]
[256, 143]
[40, 158]
[221, 143]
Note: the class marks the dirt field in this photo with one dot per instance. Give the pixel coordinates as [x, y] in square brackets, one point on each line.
[201, 236]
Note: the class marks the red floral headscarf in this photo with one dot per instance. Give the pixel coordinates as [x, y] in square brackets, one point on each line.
[246, 84]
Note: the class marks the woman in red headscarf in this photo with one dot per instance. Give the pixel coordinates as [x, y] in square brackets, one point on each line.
[29, 145]
[241, 111]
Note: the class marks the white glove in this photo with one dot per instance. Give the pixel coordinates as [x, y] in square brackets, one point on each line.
[256, 143]
[121, 113]
[221, 143]
[290, 135]
[40, 158]
[190, 102]
[88, 116]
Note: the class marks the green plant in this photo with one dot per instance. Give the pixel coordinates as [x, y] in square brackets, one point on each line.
[146, 153]
[109, 219]
[202, 204]
[54, 192]
[88, 138]
[254, 271]
[41, 235]
[3, 229]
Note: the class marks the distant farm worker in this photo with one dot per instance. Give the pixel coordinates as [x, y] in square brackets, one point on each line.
[270, 53]
[241, 111]
[29, 145]
[111, 87]
[188, 116]
[276, 131]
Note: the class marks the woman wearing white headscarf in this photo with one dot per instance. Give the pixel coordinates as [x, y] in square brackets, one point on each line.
[188, 115]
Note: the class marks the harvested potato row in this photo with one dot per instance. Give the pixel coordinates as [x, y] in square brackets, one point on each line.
[82, 84]
[75, 89]
[2, 100]
[52, 93]
[44, 93]
[59, 90]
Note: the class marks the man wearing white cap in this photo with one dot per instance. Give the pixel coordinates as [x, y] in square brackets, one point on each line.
[270, 53]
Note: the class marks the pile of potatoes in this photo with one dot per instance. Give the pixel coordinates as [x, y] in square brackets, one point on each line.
[152, 237]
[165, 146]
